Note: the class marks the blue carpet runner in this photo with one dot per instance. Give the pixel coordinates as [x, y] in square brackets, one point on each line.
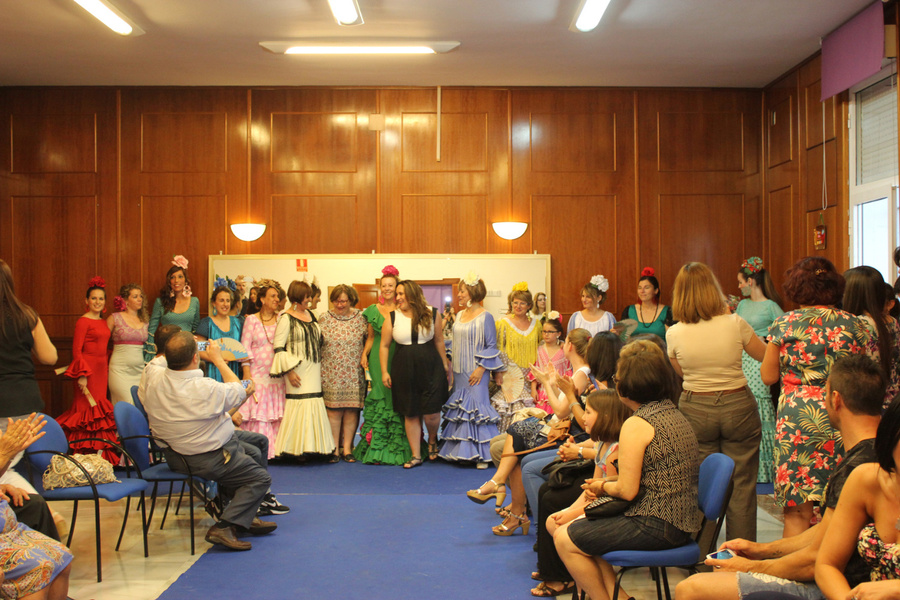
[362, 531]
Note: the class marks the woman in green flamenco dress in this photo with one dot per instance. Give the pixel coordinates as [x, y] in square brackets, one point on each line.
[383, 438]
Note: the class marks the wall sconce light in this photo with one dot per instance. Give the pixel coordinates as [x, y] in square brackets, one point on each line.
[248, 232]
[509, 230]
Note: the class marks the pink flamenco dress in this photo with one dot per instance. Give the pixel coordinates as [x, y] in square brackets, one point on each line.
[262, 413]
[562, 366]
[81, 421]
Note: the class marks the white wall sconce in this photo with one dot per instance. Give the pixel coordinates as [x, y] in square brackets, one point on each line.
[248, 232]
[509, 230]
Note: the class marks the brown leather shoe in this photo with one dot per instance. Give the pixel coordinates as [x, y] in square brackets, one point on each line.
[226, 537]
[258, 527]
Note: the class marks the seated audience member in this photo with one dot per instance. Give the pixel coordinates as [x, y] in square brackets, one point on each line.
[31, 564]
[659, 464]
[191, 413]
[864, 527]
[852, 399]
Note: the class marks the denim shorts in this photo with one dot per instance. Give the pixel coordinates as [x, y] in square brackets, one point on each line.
[625, 533]
[749, 583]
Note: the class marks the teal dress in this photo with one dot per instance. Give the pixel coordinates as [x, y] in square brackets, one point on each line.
[188, 321]
[657, 326]
[211, 331]
[382, 436]
[760, 315]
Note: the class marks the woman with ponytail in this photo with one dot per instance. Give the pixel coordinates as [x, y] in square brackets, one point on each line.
[129, 334]
[651, 315]
[760, 307]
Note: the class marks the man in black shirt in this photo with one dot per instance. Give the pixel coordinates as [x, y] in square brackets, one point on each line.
[854, 395]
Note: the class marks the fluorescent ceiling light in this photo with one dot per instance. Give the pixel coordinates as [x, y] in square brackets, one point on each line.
[588, 15]
[346, 12]
[361, 47]
[107, 14]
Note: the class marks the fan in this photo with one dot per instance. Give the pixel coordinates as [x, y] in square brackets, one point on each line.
[513, 383]
[232, 349]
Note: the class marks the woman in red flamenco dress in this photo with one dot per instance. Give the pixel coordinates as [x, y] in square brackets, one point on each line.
[91, 413]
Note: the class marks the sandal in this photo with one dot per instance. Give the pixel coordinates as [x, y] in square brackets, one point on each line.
[536, 575]
[499, 493]
[334, 458]
[518, 521]
[503, 512]
[432, 451]
[348, 457]
[415, 461]
[545, 591]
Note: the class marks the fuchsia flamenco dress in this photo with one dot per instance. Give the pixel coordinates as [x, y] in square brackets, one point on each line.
[90, 359]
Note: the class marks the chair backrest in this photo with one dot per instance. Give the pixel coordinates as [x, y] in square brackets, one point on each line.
[131, 424]
[137, 401]
[53, 439]
[715, 477]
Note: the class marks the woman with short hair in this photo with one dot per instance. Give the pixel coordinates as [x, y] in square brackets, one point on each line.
[705, 347]
[343, 379]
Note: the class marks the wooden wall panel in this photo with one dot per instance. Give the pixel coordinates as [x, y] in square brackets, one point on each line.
[709, 230]
[782, 232]
[697, 141]
[438, 224]
[464, 142]
[813, 176]
[184, 142]
[590, 145]
[781, 119]
[314, 224]
[64, 143]
[313, 142]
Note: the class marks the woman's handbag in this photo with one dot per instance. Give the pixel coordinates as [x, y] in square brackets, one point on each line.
[564, 474]
[556, 430]
[63, 473]
[606, 506]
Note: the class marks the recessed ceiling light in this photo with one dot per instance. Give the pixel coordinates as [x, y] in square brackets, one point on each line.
[346, 12]
[588, 15]
[110, 16]
[361, 47]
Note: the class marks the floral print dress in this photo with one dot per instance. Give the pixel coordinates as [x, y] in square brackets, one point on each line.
[807, 448]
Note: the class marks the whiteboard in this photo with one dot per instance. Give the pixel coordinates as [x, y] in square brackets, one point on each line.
[500, 272]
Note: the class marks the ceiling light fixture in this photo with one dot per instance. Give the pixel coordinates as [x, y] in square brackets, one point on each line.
[248, 232]
[360, 47]
[110, 16]
[509, 230]
[588, 15]
[346, 12]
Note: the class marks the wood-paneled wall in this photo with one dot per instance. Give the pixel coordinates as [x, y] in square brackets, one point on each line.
[116, 181]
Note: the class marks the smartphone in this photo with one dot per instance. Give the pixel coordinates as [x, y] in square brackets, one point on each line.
[245, 383]
[724, 554]
[202, 346]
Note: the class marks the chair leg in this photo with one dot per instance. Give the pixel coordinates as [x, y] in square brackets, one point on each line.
[665, 579]
[144, 527]
[191, 504]
[180, 496]
[168, 501]
[618, 586]
[656, 577]
[124, 520]
[72, 525]
[97, 536]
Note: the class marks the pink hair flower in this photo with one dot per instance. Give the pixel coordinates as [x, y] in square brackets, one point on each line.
[119, 303]
[97, 281]
[180, 261]
[390, 270]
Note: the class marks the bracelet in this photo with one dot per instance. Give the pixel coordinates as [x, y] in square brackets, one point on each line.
[573, 404]
[580, 451]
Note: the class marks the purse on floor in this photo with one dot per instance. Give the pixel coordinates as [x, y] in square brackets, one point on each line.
[606, 506]
[63, 473]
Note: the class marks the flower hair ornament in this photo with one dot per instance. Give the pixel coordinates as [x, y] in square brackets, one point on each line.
[97, 281]
[225, 282]
[119, 303]
[553, 315]
[600, 282]
[752, 265]
[390, 270]
[648, 272]
[180, 261]
[522, 286]
[471, 278]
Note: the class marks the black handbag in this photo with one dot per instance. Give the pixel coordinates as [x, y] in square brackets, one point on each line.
[606, 506]
[564, 474]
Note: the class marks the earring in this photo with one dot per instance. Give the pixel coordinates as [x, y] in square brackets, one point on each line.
[215, 311]
[468, 303]
[171, 293]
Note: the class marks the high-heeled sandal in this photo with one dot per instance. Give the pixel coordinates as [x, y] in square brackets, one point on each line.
[505, 511]
[480, 497]
[545, 591]
[505, 530]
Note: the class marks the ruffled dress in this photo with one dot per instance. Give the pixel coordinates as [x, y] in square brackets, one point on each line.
[469, 419]
[305, 427]
[382, 436]
[30, 560]
[263, 412]
[518, 350]
[127, 361]
[761, 315]
[562, 366]
[604, 323]
[89, 359]
[211, 331]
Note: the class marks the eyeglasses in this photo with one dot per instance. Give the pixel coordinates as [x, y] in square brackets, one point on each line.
[545, 332]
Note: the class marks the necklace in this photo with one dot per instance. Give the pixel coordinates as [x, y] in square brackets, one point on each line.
[265, 327]
[653, 320]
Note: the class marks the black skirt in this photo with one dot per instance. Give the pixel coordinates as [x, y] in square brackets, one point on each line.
[418, 380]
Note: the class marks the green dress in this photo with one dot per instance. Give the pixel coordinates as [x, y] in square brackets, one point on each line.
[760, 315]
[383, 438]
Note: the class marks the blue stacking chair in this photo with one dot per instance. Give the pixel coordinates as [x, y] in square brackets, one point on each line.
[715, 487]
[134, 433]
[54, 443]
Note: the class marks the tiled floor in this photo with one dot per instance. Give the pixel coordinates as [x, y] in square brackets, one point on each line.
[127, 575]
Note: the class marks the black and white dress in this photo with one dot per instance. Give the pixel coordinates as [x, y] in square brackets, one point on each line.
[418, 380]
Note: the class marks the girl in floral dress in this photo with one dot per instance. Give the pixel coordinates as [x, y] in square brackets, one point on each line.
[803, 344]
[549, 352]
[263, 413]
